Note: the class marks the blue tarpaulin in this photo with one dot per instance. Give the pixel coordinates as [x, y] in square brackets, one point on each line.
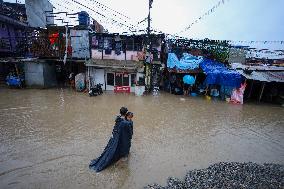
[14, 80]
[187, 61]
[218, 74]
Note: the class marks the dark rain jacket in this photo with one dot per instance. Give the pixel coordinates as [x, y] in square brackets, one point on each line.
[117, 147]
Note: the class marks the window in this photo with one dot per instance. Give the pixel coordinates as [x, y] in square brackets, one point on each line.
[121, 79]
[118, 79]
[110, 79]
[125, 80]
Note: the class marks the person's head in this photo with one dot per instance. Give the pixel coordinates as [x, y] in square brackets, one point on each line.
[123, 111]
[129, 116]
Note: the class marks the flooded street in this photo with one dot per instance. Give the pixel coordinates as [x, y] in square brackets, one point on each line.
[48, 137]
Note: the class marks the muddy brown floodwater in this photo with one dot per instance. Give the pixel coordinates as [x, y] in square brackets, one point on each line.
[48, 137]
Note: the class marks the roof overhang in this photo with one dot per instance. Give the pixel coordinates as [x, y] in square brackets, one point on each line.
[11, 21]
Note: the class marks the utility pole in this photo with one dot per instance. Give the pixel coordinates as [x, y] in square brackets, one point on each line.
[148, 60]
[151, 69]
[149, 18]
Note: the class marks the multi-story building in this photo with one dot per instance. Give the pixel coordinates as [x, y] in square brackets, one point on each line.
[117, 61]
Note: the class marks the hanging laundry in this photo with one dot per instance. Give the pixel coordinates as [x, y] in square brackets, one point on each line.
[53, 38]
[108, 51]
[118, 48]
[95, 42]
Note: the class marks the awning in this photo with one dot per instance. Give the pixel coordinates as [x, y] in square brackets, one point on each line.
[264, 76]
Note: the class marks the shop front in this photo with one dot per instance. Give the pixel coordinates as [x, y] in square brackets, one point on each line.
[120, 81]
[113, 76]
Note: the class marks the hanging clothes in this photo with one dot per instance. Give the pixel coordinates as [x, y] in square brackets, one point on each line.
[95, 42]
[118, 48]
[108, 51]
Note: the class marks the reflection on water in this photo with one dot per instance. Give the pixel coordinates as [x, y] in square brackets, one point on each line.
[48, 137]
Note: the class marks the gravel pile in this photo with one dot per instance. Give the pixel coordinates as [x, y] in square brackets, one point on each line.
[231, 176]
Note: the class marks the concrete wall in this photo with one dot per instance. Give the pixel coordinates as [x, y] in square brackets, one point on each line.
[49, 74]
[40, 75]
[36, 14]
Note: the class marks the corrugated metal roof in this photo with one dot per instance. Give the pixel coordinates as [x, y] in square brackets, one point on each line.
[264, 76]
[256, 68]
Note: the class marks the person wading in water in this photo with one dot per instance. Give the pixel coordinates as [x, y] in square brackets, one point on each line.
[118, 145]
[126, 134]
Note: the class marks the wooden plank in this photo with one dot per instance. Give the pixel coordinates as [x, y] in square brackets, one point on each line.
[261, 92]
[251, 87]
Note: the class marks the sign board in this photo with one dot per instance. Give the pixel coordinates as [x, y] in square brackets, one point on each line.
[121, 89]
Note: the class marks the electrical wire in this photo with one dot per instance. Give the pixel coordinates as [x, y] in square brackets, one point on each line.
[203, 16]
[121, 23]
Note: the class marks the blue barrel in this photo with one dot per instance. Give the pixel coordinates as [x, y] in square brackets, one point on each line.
[84, 18]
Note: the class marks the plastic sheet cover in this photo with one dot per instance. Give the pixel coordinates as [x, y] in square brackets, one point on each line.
[218, 74]
[187, 61]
